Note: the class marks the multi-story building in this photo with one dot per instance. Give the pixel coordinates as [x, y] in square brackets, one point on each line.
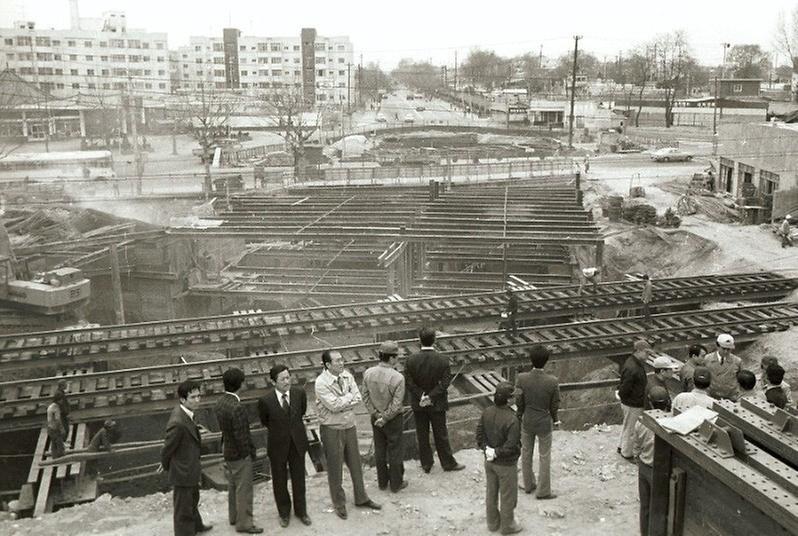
[92, 56]
[320, 68]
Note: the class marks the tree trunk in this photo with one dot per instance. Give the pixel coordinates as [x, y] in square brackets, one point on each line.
[639, 104]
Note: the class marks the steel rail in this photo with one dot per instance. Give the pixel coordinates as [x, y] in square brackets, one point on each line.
[151, 389]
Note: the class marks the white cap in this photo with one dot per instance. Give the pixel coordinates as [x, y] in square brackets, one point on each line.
[726, 341]
[787, 217]
[663, 362]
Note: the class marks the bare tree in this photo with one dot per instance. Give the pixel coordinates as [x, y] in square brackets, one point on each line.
[295, 122]
[15, 94]
[787, 43]
[206, 112]
[640, 70]
[673, 59]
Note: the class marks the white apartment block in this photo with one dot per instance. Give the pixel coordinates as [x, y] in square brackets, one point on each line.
[93, 56]
[268, 64]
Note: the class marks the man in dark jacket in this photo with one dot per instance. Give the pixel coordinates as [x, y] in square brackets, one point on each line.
[538, 402]
[281, 412]
[499, 437]
[632, 393]
[238, 451]
[427, 378]
[180, 457]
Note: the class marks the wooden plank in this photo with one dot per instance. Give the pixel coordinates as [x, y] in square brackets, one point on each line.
[43, 494]
[38, 456]
[80, 442]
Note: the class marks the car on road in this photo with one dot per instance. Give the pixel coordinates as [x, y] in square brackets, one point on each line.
[420, 108]
[409, 118]
[671, 154]
[381, 118]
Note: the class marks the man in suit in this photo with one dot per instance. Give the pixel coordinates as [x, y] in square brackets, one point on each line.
[238, 451]
[427, 377]
[180, 457]
[538, 401]
[281, 412]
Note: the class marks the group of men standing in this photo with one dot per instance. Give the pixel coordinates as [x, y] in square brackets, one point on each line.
[282, 410]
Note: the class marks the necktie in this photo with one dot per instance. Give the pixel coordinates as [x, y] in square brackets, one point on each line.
[285, 405]
[340, 381]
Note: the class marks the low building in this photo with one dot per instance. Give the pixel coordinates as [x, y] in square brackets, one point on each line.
[758, 166]
[735, 88]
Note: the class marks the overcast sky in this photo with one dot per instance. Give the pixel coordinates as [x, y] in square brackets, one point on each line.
[387, 31]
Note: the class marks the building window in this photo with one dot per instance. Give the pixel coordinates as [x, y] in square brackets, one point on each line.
[276, 60]
[73, 57]
[147, 85]
[56, 43]
[161, 72]
[70, 43]
[73, 72]
[117, 43]
[120, 72]
[276, 47]
[147, 72]
[242, 48]
[87, 44]
[90, 72]
[159, 45]
[106, 85]
[45, 70]
[218, 47]
[341, 60]
[91, 85]
[42, 41]
[119, 58]
[321, 72]
[75, 85]
[8, 41]
[161, 86]
[737, 88]
[218, 72]
[160, 59]
[59, 71]
[44, 56]
[199, 73]
[320, 59]
[244, 73]
[341, 73]
[119, 85]
[89, 58]
[24, 40]
[277, 72]
[133, 43]
[198, 60]
[104, 72]
[103, 58]
[103, 44]
[296, 48]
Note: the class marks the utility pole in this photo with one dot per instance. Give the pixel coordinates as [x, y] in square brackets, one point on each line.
[723, 65]
[348, 88]
[455, 70]
[573, 94]
[134, 132]
[715, 119]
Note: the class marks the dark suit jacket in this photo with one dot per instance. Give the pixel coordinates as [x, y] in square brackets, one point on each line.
[180, 455]
[428, 372]
[234, 424]
[284, 428]
[538, 400]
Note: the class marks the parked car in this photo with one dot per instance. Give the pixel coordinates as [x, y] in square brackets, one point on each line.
[381, 118]
[671, 154]
[420, 108]
[409, 118]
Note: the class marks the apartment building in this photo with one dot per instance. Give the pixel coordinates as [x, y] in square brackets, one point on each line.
[318, 67]
[92, 56]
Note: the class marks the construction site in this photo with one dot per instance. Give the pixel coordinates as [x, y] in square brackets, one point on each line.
[118, 297]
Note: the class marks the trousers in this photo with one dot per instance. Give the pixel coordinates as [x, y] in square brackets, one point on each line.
[187, 518]
[544, 462]
[388, 454]
[630, 416]
[501, 495]
[295, 466]
[439, 433]
[239, 492]
[340, 446]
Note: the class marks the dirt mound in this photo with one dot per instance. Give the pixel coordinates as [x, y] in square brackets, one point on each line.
[654, 251]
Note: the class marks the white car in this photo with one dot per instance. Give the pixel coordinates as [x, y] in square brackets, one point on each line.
[671, 154]
[381, 118]
[409, 118]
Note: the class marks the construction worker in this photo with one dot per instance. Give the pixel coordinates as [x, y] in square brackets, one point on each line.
[55, 425]
[785, 232]
[105, 437]
[512, 312]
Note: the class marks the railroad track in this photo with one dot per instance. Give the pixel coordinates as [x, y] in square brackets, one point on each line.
[252, 331]
[147, 390]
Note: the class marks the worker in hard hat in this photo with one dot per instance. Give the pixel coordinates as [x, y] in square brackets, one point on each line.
[784, 231]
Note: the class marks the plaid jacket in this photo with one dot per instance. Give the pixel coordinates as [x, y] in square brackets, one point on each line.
[234, 425]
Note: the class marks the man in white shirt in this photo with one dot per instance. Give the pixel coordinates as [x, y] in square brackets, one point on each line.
[699, 396]
[337, 396]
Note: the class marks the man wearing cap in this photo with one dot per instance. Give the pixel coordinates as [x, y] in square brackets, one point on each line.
[763, 382]
[383, 394]
[632, 393]
[784, 231]
[699, 396]
[499, 436]
[663, 372]
[724, 366]
[538, 403]
[657, 398]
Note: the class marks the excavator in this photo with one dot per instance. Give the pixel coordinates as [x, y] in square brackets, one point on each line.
[41, 301]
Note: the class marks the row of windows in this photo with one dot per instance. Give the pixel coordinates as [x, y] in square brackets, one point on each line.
[262, 72]
[46, 56]
[90, 72]
[49, 86]
[270, 47]
[40, 41]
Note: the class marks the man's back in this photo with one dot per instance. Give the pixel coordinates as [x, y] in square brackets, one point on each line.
[234, 425]
[428, 372]
[539, 399]
[696, 397]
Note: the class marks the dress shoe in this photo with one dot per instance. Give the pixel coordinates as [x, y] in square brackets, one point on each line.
[547, 497]
[527, 491]
[402, 486]
[515, 529]
[284, 521]
[251, 530]
[370, 504]
[383, 487]
[341, 512]
[426, 469]
[204, 528]
[458, 467]
[305, 519]
[493, 529]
